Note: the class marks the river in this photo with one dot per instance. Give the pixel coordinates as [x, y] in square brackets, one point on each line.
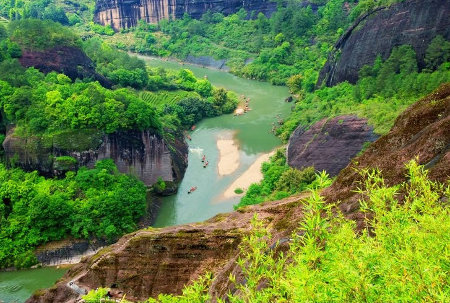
[252, 135]
[17, 286]
[251, 132]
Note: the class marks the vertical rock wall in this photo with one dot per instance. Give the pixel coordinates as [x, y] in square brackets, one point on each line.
[126, 13]
[141, 153]
[412, 22]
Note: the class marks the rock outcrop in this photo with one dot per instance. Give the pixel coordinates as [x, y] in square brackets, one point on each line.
[142, 153]
[149, 262]
[126, 13]
[422, 131]
[412, 22]
[71, 61]
[69, 251]
[329, 144]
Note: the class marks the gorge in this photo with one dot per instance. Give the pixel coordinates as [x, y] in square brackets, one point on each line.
[264, 151]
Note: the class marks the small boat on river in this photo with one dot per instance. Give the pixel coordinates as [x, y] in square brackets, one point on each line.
[193, 188]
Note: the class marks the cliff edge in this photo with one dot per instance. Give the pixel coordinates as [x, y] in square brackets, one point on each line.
[412, 22]
[126, 13]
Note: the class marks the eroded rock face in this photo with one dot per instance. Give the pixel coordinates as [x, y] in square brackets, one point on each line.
[329, 144]
[412, 22]
[126, 13]
[142, 153]
[149, 262]
[71, 61]
[422, 131]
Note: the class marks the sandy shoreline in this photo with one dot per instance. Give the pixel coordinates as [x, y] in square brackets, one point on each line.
[228, 156]
[252, 175]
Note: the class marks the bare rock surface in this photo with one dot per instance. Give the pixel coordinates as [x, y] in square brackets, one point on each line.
[412, 22]
[126, 13]
[329, 144]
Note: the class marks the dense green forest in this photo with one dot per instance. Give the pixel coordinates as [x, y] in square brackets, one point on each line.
[401, 256]
[97, 202]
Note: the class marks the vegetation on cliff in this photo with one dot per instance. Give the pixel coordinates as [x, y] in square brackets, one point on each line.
[401, 255]
[383, 91]
[46, 104]
[97, 202]
[281, 181]
[88, 203]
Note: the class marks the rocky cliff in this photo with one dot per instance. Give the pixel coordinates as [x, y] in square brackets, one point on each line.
[71, 61]
[329, 144]
[142, 153]
[413, 22]
[149, 262]
[126, 13]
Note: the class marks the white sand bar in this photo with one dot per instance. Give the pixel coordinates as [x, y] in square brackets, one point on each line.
[228, 156]
[252, 175]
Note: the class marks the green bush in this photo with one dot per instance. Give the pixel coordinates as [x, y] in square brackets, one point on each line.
[238, 191]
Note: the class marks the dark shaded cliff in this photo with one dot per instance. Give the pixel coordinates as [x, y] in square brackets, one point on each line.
[71, 61]
[329, 144]
[126, 13]
[413, 22]
[141, 153]
[155, 261]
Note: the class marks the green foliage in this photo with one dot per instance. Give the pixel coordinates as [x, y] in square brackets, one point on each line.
[49, 104]
[40, 35]
[238, 191]
[402, 256]
[280, 181]
[97, 202]
[101, 30]
[159, 186]
[383, 91]
[438, 52]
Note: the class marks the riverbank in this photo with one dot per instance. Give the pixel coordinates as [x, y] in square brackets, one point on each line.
[252, 175]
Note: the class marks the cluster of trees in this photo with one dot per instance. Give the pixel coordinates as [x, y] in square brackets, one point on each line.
[64, 12]
[281, 181]
[402, 256]
[48, 104]
[383, 91]
[97, 202]
[34, 34]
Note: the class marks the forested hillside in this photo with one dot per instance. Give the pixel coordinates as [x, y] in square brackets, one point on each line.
[44, 108]
[82, 119]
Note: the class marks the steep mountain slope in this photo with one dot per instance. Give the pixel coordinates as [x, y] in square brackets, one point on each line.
[413, 22]
[149, 262]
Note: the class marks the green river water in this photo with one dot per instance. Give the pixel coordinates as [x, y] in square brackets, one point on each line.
[252, 133]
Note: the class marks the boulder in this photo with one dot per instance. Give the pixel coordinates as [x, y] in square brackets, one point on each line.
[329, 144]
